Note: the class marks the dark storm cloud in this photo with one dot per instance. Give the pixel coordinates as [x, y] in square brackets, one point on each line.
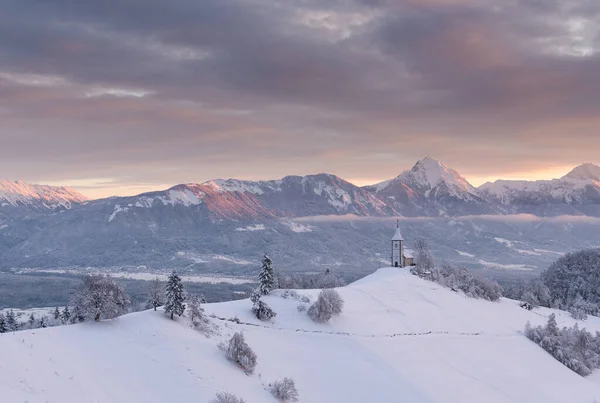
[152, 89]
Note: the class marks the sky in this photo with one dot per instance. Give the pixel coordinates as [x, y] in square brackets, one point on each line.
[125, 96]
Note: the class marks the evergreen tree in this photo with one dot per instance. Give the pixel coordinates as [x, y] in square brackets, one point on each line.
[266, 277]
[56, 313]
[174, 296]
[3, 328]
[31, 320]
[66, 315]
[11, 321]
[155, 295]
[43, 322]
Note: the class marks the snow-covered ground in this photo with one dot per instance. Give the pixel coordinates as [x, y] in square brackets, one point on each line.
[399, 339]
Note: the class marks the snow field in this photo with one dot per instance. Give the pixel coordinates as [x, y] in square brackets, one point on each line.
[400, 339]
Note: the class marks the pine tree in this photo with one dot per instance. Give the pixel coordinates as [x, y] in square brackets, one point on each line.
[3, 328]
[66, 315]
[43, 322]
[266, 278]
[174, 296]
[11, 321]
[31, 320]
[155, 295]
[56, 313]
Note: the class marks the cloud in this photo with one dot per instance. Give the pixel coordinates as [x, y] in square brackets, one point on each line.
[188, 91]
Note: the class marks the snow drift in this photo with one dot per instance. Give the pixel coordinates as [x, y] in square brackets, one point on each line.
[399, 339]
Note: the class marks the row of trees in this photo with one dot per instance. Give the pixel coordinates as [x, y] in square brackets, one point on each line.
[576, 348]
[457, 279]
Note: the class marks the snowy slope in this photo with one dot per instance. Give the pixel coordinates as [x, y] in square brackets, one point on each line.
[399, 339]
[48, 197]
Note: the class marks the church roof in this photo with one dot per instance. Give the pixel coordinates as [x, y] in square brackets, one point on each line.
[398, 236]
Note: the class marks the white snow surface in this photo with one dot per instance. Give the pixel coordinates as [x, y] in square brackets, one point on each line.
[399, 339]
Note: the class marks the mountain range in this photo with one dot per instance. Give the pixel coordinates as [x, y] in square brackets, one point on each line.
[225, 225]
[430, 189]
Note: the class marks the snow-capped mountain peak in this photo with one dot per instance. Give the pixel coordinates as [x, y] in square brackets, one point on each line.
[19, 193]
[584, 172]
[429, 173]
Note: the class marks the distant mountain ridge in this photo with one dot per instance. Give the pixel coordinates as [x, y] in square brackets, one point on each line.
[20, 194]
[429, 188]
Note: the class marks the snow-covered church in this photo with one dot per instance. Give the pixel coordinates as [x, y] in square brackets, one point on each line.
[401, 256]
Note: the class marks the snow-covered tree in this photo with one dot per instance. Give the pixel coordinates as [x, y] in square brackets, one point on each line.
[224, 397]
[285, 390]
[263, 311]
[239, 352]
[65, 315]
[31, 320]
[174, 296]
[575, 348]
[424, 259]
[328, 303]
[43, 322]
[196, 312]
[100, 297]
[155, 294]
[3, 326]
[574, 278]
[11, 321]
[266, 276]
[56, 314]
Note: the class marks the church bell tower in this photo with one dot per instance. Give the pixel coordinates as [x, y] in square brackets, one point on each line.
[398, 248]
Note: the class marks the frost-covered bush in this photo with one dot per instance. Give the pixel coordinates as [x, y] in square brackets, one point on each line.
[239, 352]
[301, 308]
[471, 286]
[285, 390]
[576, 348]
[328, 304]
[224, 397]
[263, 311]
[294, 295]
[99, 297]
[309, 281]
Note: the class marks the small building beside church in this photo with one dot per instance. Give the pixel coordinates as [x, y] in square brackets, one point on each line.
[401, 256]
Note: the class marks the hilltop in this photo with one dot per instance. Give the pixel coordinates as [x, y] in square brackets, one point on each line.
[399, 339]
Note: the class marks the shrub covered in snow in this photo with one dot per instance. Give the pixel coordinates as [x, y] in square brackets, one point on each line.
[263, 311]
[239, 352]
[294, 295]
[576, 348]
[462, 280]
[225, 397]
[328, 304]
[99, 297]
[301, 308]
[309, 281]
[285, 390]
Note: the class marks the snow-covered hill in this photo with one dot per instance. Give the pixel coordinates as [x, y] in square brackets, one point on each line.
[400, 339]
[15, 194]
